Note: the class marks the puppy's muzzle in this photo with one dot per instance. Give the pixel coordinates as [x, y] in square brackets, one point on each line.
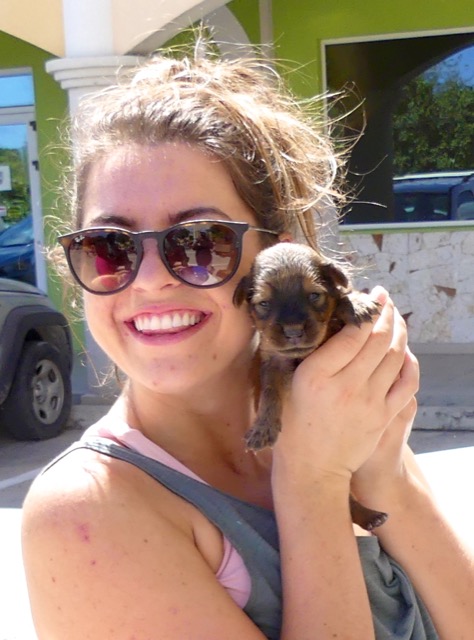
[293, 332]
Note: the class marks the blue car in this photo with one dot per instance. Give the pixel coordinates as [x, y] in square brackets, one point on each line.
[17, 252]
[434, 197]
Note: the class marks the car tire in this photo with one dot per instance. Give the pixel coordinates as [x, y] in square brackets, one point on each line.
[40, 398]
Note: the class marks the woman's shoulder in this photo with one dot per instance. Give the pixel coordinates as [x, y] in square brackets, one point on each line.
[85, 484]
[86, 497]
[99, 535]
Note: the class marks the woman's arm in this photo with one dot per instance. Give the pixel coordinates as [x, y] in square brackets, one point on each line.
[342, 399]
[417, 534]
[324, 594]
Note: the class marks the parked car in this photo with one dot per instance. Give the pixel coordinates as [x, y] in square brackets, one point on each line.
[35, 363]
[434, 197]
[17, 251]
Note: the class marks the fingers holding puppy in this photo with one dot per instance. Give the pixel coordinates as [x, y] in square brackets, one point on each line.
[357, 348]
[345, 394]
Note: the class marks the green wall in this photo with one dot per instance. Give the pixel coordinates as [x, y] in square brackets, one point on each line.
[51, 108]
[51, 111]
[301, 25]
[51, 105]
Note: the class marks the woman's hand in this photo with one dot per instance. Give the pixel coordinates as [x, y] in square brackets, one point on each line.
[345, 395]
[380, 479]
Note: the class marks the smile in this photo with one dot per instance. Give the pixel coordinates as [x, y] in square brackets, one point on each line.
[166, 322]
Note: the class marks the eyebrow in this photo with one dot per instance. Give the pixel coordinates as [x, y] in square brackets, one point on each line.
[116, 220]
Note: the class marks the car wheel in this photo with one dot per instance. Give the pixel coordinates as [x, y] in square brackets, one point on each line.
[39, 402]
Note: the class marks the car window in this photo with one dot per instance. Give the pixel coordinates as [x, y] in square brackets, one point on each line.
[421, 207]
[18, 234]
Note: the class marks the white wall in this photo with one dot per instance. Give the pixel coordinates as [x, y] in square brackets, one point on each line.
[429, 274]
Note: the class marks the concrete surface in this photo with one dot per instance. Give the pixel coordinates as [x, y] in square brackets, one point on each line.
[446, 395]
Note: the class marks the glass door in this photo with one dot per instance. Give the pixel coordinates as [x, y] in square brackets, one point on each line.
[21, 221]
[21, 232]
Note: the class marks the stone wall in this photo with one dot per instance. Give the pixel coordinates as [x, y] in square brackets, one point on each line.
[430, 275]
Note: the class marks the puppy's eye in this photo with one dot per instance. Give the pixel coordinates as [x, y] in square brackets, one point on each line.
[315, 296]
[263, 304]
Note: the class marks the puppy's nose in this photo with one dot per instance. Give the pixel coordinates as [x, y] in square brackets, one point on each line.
[293, 331]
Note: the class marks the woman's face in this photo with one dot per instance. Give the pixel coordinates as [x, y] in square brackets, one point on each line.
[150, 188]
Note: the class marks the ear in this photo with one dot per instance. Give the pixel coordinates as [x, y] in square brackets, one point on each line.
[333, 275]
[243, 291]
[285, 237]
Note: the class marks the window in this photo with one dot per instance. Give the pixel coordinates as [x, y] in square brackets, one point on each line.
[413, 97]
[16, 90]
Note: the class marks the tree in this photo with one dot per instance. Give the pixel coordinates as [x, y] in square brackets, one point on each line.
[17, 200]
[433, 125]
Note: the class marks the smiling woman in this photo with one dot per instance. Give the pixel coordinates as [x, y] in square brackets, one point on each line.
[159, 523]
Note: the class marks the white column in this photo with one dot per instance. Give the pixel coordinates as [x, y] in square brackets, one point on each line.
[88, 27]
[80, 76]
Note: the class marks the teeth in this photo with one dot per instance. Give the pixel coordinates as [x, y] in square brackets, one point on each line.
[165, 322]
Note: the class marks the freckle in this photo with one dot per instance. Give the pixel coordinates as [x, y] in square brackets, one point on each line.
[145, 540]
[84, 532]
[214, 356]
[53, 579]
[93, 563]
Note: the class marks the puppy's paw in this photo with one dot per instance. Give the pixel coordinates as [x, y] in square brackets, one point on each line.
[368, 519]
[261, 435]
[363, 308]
[376, 520]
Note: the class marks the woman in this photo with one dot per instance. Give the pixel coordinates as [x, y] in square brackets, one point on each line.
[159, 524]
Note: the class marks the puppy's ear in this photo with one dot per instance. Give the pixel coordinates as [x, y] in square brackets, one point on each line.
[243, 291]
[333, 276]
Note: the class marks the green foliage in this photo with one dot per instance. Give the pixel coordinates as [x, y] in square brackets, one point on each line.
[433, 126]
[17, 200]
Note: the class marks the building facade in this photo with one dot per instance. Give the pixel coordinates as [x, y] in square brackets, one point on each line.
[376, 46]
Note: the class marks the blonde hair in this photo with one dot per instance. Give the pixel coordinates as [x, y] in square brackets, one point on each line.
[279, 154]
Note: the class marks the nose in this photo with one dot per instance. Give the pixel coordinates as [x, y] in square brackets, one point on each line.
[293, 331]
[152, 273]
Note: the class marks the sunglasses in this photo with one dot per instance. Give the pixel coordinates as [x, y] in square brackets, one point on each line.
[199, 253]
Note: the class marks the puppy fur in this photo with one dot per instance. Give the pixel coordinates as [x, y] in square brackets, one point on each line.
[297, 300]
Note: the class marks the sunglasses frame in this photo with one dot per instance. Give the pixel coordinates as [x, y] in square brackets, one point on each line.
[137, 238]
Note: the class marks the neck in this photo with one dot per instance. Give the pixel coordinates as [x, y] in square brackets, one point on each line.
[206, 420]
[206, 434]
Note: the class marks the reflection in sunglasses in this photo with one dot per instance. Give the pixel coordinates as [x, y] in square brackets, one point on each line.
[200, 253]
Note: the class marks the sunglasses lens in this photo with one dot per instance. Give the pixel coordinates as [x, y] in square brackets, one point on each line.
[202, 254]
[103, 261]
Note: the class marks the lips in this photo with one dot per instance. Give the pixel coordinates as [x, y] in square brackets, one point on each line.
[172, 322]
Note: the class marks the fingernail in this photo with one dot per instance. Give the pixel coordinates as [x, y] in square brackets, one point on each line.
[380, 294]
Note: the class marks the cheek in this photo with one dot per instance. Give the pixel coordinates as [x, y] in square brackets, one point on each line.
[98, 313]
[251, 247]
[238, 324]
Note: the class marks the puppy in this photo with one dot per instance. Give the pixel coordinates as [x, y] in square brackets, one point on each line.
[297, 300]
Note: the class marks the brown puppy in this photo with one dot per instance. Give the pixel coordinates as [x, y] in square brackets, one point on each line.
[297, 300]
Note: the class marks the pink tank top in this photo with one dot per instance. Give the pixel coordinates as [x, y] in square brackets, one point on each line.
[232, 573]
